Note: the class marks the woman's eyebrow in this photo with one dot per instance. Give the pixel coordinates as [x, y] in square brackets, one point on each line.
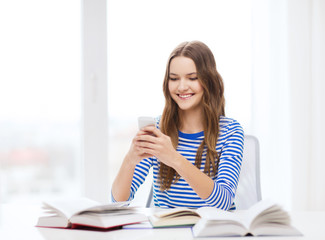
[186, 74]
[191, 73]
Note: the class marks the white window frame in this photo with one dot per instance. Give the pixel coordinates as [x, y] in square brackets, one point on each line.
[94, 101]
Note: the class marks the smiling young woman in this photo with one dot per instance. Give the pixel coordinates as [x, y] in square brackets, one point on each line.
[184, 85]
[195, 151]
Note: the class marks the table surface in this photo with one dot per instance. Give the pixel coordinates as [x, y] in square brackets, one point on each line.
[17, 221]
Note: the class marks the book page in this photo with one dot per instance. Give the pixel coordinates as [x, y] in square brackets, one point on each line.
[106, 208]
[218, 228]
[245, 217]
[276, 230]
[69, 207]
[174, 217]
[107, 220]
[264, 218]
[175, 212]
[255, 211]
[214, 214]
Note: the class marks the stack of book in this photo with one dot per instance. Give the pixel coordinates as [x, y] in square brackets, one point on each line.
[263, 219]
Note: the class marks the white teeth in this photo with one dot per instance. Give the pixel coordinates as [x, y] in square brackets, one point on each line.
[185, 96]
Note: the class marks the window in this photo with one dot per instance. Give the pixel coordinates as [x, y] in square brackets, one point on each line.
[39, 99]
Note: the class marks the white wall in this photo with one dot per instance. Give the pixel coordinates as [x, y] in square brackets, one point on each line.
[271, 109]
[288, 100]
[306, 75]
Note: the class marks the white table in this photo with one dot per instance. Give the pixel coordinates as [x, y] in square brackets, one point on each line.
[18, 222]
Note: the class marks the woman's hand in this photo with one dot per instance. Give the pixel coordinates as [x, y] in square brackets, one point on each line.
[150, 141]
[122, 184]
[136, 154]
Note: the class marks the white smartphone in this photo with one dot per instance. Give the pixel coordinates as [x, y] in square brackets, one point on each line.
[146, 121]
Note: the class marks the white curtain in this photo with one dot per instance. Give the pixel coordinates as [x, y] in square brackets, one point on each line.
[288, 109]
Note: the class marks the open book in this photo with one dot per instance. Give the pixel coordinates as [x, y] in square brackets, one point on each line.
[86, 213]
[174, 217]
[263, 219]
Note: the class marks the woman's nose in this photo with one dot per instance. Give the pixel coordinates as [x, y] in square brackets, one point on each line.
[183, 86]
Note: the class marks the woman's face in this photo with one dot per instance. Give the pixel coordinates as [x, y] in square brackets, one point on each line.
[184, 85]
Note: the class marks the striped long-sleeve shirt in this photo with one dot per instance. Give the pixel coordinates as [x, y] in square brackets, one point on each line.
[230, 149]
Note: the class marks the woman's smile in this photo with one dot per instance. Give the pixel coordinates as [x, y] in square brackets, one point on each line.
[184, 85]
[185, 96]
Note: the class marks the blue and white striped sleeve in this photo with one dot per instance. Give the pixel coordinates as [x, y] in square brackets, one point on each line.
[139, 176]
[140, 173]
[231, 154]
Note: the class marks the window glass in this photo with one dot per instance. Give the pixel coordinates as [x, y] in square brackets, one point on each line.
[39, 99]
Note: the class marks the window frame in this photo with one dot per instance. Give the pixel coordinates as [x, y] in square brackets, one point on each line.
[94, 100]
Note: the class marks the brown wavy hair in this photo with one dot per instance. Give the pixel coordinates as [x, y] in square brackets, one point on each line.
[213, 103]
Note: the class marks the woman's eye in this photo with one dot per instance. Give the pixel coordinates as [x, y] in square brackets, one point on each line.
[172, 79]
[194, 78]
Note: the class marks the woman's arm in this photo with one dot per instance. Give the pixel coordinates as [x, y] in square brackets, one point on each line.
[122, 184]
[201, 183]
[218, 193]
[121, 188]
[161, 147]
